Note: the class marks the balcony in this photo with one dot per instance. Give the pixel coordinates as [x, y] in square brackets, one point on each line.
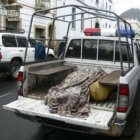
[9, 1]
[13, 6]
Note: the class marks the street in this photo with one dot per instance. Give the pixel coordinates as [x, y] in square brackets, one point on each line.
[15, 128]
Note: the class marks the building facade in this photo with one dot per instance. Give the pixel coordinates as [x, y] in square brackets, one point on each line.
[16, 15]
[78, 27]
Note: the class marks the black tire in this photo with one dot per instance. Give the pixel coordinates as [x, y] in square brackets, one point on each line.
[130, 129]
[47, 129]
[50, 57]
[14, 68]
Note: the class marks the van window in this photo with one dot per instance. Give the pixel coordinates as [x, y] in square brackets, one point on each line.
[9, 41]
[32, 42]
[89, 49]
[106, 50]
[22, 41]
[74, 49]
[124, 52]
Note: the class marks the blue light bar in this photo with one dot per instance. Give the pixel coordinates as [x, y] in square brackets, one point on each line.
[123, 33]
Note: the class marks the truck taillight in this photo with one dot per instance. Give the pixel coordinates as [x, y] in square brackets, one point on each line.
[123, 98]
[0, 56]
[19, 83]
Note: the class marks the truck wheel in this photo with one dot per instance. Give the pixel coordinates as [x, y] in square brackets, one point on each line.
[14, 68]
[50, 57]
[131, 125]
[130, 129]
[47, 130]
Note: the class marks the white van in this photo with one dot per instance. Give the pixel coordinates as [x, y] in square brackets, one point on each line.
[12, 51]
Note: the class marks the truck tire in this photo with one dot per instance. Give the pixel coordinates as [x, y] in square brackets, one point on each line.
[14, 68]
[47, 129]
[130, 129]
[50, 57]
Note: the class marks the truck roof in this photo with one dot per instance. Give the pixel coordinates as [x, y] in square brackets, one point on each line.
[97, 37]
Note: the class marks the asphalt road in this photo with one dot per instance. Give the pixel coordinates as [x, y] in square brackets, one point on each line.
[15, 128]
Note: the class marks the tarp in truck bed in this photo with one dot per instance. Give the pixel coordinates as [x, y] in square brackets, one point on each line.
[99, 119]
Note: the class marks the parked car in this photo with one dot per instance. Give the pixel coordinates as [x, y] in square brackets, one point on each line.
[12, 51]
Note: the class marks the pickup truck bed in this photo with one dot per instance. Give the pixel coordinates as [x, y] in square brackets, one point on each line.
[37, 108]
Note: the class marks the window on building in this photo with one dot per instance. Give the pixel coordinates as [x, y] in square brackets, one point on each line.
[12, 25]
[97, 25]
[74, 49]
[82, 22]
[22, 41]
[110, 9]
[40, 4]
[106, 7]
[9, 41]
[97, 3]
[106, 50]
[91, 23]
[73, 18]
[48, 4]
[89, 49]
[105, 25]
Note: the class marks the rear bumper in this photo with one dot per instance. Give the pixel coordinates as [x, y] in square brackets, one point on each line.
[115, 131]
[4, 66]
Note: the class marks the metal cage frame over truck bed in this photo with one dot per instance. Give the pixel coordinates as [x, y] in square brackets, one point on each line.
[95, 13]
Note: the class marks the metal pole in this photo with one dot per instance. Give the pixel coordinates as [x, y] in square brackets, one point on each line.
[28, 38]
[121, 61]
[127, 45]
[51, 35]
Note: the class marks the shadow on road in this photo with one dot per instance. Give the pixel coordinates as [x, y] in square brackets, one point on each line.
[6, 84]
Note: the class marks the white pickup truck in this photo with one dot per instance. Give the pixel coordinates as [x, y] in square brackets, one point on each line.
[107, 117]
[117, 56]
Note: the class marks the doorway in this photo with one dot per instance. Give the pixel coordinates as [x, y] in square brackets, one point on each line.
[39, 32]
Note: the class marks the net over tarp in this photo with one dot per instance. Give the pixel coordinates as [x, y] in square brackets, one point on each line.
[71, 96]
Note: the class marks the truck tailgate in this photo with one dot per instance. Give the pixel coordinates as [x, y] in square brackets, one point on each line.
[98, 119]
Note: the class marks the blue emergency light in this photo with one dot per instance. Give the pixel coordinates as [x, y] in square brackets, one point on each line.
[123, 33]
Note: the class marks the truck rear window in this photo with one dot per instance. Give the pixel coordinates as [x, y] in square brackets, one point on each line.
[124, 52]
[89, 49]
[106, 50]
[74, 49]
